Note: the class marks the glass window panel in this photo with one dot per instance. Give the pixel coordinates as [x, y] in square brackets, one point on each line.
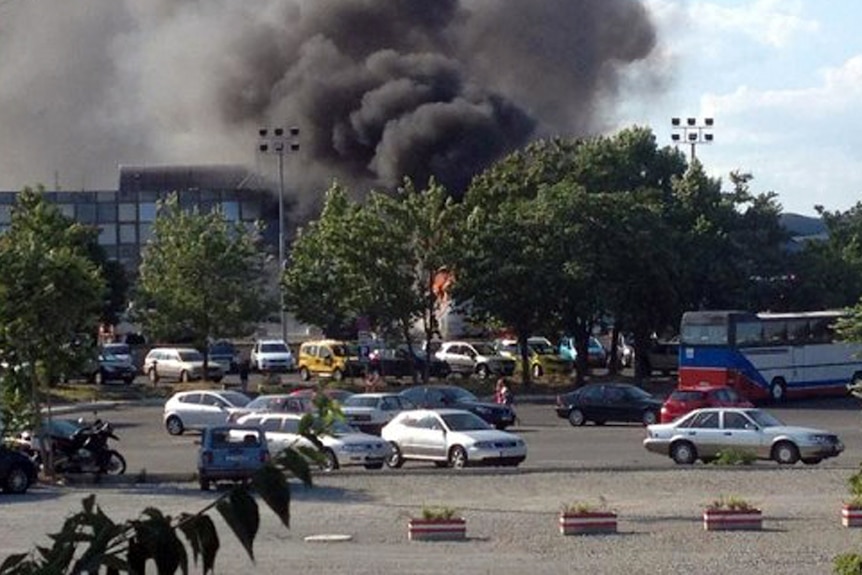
[67, 210]
[128, 212]
[107, 212]
[145, 232]
[250, 211]
[147, 211]
[107, 234]
[86, 213]
[108, 196]
[231, 211]
[127, 234]
[5, 214]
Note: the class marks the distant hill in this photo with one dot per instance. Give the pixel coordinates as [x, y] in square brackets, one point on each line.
[799, 225]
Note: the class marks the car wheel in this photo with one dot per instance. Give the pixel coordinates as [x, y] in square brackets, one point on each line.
[811, 460]
[649, 417]
[174, 425]
[116, 464]
[785, 453]
[184, 376]
[482, 371]
[374, 465]
[777, 391]
[683, 453]
[330, 462]
[537, 371]
[304, 374]
[17, 481]
[395, 459]
[457, 457]
[205, 484]
[337, 374]
[576, 417]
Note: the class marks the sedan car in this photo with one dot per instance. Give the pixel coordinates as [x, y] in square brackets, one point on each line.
[17, 471]
[333, 393]
[110, 367]
[230, 452]
[602, 402]
[682, 401]
[199, 409]
[396, 362]
[342, 446]
[273, 403]
[369, 412]
[450, 437]
[704, 433]
[437, 396]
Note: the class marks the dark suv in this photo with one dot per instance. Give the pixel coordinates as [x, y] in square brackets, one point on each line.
[663, 356]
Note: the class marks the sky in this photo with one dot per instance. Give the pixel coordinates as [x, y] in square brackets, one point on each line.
[782, 80]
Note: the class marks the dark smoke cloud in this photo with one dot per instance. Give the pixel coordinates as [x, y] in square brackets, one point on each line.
[381, 89]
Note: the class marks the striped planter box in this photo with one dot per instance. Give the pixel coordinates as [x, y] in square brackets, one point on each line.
[851, 516]
[437, 529]
[588, 523]
[729, 520]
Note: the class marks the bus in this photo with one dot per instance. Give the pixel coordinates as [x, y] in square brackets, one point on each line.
[767, 356]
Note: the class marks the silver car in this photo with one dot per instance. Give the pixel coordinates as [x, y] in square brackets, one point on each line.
[704, 433]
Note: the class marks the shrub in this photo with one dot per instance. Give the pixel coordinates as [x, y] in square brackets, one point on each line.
[730, 503]
[581, 507]
[847, 564]
[438, 512]
[735, 456]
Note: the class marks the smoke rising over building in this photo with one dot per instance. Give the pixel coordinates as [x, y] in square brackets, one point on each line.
[381, 89]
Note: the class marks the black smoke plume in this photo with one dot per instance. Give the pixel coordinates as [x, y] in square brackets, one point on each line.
[381, 89]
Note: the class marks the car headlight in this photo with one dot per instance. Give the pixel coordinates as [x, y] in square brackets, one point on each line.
[820, 439]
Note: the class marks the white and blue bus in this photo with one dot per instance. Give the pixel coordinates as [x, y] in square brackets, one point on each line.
[769, 356]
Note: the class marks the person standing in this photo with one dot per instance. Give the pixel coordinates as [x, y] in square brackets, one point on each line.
[244, 368]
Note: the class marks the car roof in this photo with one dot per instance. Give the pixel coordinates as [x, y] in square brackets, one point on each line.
[439, 411]
[173, 348]
[375, 394]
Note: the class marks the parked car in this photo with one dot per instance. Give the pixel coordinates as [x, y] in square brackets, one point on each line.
[542, 356]
[17, 471]
[682, 401]
[369, 412]
[450, 437]
[180, 363]
[122, 351]
[451, 396]
[333, 393]
[272, 356]
[230, 452]
[663, 356]
[344, 446]
[109, 367]
[479, 358]
[199, 409]
[704, 433]
[273, 403]
[225, 354]
[395, 362]
[603, 402]
[597, 355]
[329, 358]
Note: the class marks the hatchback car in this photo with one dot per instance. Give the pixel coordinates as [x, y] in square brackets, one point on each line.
[230, 452]
[273, 403]
[479, 359]
[272, 356]
[438, 396]
[329, 358]
[450, 437]
[597, 355]
[603, 402]
[682, 401]
[369, 412]
[110, 367]
[705, 433]
[17, 471]
[542, 356]
[179, 363]
[342, 446]
[200, 409]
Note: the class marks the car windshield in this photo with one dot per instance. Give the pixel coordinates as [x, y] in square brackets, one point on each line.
[235, 398]
[191, 355]
[456, 395]
[542, 347]
[222, 347]
[360, 401]
[464, 421]
[764, 419]
[117, 348]
[508, 347]
[484, 349]
[275, 347]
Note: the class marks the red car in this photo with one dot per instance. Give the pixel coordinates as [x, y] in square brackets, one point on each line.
[681, 401]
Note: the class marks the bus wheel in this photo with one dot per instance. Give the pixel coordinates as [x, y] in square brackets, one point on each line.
[777, 391]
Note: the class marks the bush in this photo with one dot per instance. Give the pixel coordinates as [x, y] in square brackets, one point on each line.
[735, 456]
[847, 564]
[730, 503]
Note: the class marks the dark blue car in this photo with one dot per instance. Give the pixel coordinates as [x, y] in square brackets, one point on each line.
[436, 396]
[17, 471]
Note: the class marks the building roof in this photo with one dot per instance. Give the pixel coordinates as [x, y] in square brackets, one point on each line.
[178, 178]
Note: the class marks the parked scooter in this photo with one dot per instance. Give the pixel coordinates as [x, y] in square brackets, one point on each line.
[86, 450]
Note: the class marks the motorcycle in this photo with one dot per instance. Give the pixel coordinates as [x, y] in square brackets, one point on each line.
[85, 450]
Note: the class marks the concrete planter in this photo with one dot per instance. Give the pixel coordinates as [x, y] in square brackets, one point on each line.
[732, 519]
[587, 523]
[851, 515]
[454, 529]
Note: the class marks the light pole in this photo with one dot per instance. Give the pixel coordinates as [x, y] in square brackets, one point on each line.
[278, 142]
[692, 132]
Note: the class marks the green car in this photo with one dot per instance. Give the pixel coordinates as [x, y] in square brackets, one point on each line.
[543, 356]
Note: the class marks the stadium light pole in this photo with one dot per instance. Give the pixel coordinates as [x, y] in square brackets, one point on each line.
[279, 142]
[692, 132]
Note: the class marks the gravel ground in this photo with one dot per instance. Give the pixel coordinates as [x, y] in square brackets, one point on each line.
[511, 522]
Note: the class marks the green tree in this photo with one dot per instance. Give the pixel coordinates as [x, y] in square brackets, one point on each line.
[201, 277]
[50, 296]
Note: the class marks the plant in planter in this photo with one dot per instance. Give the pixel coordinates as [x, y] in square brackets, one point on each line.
[586, 518]
[437, 523]
[851, 510]
[731, 513]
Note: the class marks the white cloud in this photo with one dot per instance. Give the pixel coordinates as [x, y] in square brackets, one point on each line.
[775, 23]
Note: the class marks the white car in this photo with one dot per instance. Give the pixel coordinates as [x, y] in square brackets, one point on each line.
[272, 355]
[200, 409]
[180, 363]
[480, 359]
[450, 437]
[369, 412]
[345, 446]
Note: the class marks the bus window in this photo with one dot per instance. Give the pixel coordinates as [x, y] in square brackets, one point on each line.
[749, 333]
[821, 330]
[775, 332]
[797, 330]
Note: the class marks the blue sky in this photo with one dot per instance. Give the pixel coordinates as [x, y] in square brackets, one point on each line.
[781, 78]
